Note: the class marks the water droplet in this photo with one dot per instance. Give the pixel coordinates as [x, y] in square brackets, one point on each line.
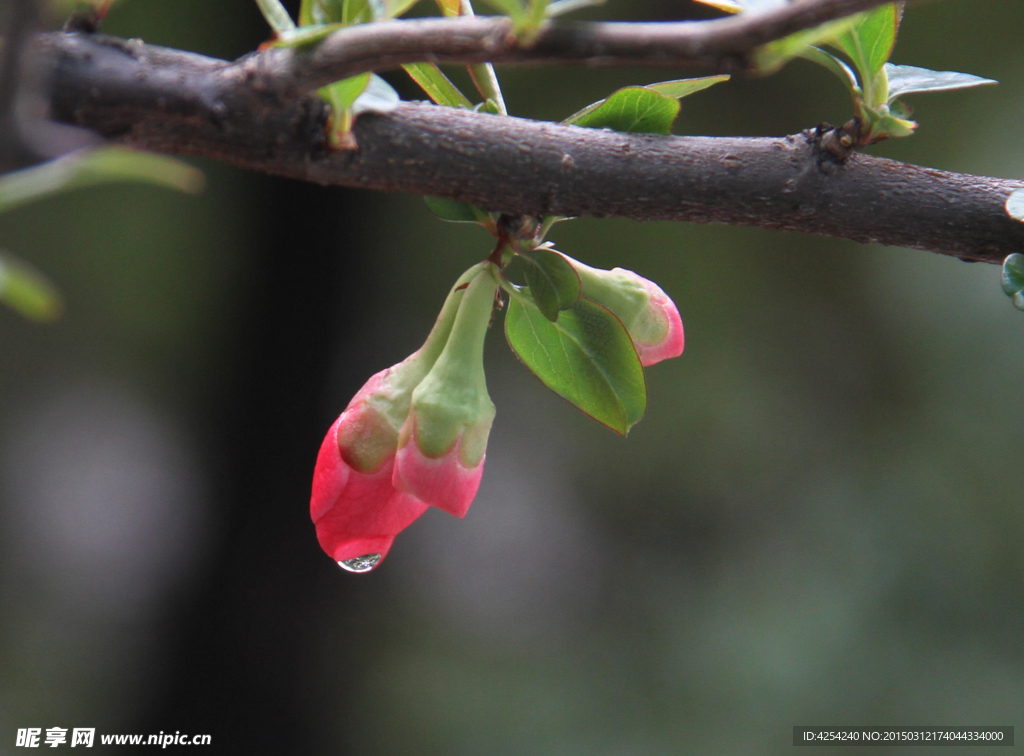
[363, 563]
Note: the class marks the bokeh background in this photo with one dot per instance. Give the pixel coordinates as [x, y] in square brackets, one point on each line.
[819, 522]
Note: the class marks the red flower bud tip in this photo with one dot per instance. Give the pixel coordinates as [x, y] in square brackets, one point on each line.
[357, 514]
[672, 343]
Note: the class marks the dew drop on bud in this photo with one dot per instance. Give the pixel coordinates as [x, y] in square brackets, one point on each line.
[363, 563]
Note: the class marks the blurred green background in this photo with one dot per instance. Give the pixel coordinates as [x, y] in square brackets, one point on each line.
[819, 522]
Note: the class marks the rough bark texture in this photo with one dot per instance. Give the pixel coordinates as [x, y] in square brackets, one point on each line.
[178, 102]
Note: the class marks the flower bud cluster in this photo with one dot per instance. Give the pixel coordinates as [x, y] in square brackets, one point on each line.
[415, 436]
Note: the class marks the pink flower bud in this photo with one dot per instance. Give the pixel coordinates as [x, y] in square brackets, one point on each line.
[355, 505]
[650, 317]
[358, 513]
[443, 443]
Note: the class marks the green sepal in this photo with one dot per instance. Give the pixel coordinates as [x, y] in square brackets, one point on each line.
[1013, 279]
[554, 283]
[586, 357]
[452, 400]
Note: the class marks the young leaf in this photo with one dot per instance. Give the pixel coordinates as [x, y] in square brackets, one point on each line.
[395, 8]
[276, 15]
[437, 86]
[321, 12]
[774, 55]
[1015, 205]
[586, 357]
[102, 165]
[449, 7]
[638, 110]
[680, 88]
[27, 291]
[304, 36]
[905, 80]
[833, 64]
[1013, 279]
[869, 44]
[377, 97]
[554, 283]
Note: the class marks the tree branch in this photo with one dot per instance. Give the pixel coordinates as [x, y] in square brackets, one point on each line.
[723, 45]
[172, 101]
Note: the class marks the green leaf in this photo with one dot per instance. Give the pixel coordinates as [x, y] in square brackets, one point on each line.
[833, 64]
[438, 87]
[1015, 205]
[1013, 279]
[586, 357]
[377, 97]
[276, 15]
[321, 12]
[396, 8]
[449, 7]
[554, 283]
[905, 80]
[638, 110]
[27, 291]
[455, 211]
[305, 36]
[869, 44]
[102, 165]
[774, 55]
[680, 88]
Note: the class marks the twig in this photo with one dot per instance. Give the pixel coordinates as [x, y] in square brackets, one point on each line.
[172, 101]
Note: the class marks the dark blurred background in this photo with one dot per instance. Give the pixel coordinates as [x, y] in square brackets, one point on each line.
[819, 522]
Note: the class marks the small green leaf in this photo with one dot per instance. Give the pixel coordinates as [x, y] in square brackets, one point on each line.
[321, 12]
[833, 64]
[102, 165]
[455, 211]
[306, 36]
[449, 7]
[554, 283]
[276, 15]
[1013, 279]
[586, 357]
[377, 97]
[869, 44]
[396, 8]
[437, 86]
[774, 55]
[638, 110]
[341, 95]
[27, 291]
[680, 88]
[905, 80]
[1015, 205]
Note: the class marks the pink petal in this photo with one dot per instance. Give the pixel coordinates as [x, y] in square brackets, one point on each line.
[441, 482]
[357, 513]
